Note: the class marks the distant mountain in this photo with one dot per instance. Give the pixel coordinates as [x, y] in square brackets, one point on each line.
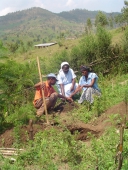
[78, 15]
[81, 15]
[40, 25]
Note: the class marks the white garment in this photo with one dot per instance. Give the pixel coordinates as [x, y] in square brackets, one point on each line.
[66, 80]
[64, 63]
[67, 89]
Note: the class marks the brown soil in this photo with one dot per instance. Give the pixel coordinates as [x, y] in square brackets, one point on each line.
[95, 127]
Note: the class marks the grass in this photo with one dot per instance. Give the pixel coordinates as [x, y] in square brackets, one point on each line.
[46, 52]
[117, 35]
[67, 44]
[55, 149]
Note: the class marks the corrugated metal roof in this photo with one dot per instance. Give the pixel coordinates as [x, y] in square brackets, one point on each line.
[45, 44]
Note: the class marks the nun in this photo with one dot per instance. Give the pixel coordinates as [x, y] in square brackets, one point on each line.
[66, 80]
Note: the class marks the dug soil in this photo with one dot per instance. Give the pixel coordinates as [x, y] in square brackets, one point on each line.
[95, 127]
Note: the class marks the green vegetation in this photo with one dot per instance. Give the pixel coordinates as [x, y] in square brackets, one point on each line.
[39, 25]
[57, 147]
[101, 19]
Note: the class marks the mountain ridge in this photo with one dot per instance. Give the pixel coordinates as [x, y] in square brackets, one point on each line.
[42, 23]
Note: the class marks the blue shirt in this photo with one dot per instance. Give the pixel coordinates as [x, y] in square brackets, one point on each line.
[91, 76]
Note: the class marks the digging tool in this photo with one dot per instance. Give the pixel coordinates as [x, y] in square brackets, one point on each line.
[31, 129]
[45, 107]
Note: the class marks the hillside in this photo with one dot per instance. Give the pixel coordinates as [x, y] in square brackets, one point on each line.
[81, 16]
[40, 25]
[79, 136]
[36, 24]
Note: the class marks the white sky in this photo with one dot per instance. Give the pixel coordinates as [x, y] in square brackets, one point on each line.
[56, 6]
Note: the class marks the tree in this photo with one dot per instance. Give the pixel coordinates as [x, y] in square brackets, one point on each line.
[13, 46]
[89, 24]
[101, 19]
[111, 21]
[125, 12]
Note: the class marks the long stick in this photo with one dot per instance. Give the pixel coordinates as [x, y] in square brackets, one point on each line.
[31, 129]
[45, 107]
[120, 158]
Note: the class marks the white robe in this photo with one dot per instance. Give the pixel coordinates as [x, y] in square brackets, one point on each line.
[66, 80]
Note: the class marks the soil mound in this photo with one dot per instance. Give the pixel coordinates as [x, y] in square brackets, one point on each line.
[95, 128]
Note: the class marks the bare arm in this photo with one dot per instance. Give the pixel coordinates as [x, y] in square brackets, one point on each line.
[79, 88]
[37, 85]
[66, 98]
[73, 84]
[62, 89]
[90, 85]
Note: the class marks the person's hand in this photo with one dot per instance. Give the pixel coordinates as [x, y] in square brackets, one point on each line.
[69, 99]
[63, 100]
[42, 86]
[71, 96]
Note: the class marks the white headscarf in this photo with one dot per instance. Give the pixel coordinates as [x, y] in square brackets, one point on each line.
[64, 63]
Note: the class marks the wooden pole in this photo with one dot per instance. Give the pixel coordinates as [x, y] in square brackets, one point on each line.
[31, 129]
[121, 137]
[112, 84]
[45, 107]
[120, 158]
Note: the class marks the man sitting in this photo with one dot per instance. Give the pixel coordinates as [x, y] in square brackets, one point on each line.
[50, 94]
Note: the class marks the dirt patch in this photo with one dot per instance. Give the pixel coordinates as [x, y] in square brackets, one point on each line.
[117, 111]
[7, 139]
[95, 128]
[84, 131]
[65, 107]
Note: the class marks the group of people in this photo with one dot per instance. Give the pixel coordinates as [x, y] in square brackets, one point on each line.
[67, 87]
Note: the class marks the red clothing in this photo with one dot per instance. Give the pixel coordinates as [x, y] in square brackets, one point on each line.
[48, 90]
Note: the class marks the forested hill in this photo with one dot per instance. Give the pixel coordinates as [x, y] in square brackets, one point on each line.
[81, 15]
[76, 15]
[40, 25]
[24, 16]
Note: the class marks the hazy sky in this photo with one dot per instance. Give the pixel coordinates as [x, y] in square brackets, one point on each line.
[57, 6]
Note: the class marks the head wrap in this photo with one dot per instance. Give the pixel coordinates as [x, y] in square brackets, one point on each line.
[64, 63]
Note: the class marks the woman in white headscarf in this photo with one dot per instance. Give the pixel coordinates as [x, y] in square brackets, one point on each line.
[66, 80]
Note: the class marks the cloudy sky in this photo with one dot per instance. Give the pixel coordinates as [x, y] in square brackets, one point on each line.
[7, 6]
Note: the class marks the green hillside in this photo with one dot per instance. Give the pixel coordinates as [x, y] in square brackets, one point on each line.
[39, 25]
[76, 138]
[81, 16]
[36, 24]
[79, 136]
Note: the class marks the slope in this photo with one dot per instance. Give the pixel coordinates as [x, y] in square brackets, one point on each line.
[40, 25]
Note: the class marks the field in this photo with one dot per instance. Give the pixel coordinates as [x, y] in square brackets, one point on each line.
[66, 118]
[66, 44]
[76, 138]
